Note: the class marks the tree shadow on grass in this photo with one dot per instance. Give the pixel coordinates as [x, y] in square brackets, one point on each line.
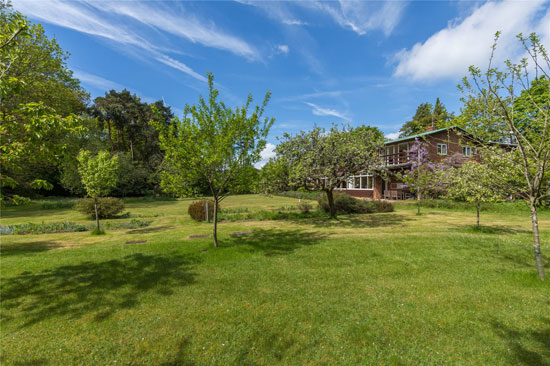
[27, 247]
[356, 220]
[530, 347]
[275, 242]
[491, 229]
[149, 230]
[96, 288]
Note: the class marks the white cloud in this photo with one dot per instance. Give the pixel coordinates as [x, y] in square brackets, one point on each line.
[449, 52]
[320, 111]
[181, 24]
[267, 153]
[392, 135]
[361, 16]
[179, 66]
[283, 48]
[103, 19]
[97, 81]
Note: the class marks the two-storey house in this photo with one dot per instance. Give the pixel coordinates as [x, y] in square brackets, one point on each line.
[396, 157]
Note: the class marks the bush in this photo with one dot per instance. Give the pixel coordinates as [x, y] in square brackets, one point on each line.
[106, 207]
[305, 206]
[197, 210]
[306, 195]
[53, 227]
[344, 203]
[383, 206]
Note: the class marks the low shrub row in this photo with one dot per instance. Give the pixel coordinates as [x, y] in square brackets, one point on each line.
[54, 227]
[346, 204]
[306, 195]
[66, 227]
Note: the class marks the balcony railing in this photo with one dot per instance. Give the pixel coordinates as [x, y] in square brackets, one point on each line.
[402, 157]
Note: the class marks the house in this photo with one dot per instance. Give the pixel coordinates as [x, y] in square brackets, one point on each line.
[396, 157]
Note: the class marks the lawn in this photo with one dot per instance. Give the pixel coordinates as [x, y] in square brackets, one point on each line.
[382, 289]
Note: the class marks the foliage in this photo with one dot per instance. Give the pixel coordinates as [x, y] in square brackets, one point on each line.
[383, 206]
[517, 106]
[346, 204]
[306, 195]
[106, 207]
[99, 173]
[201, 210]
[52, 227]
[324, 160]
[305, 206]
[212, 143]
[38, 102]
[274, 178]
[426, 115]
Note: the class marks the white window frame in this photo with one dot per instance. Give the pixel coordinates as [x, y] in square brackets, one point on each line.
[368, 177]
[466, 149]
[440, 149]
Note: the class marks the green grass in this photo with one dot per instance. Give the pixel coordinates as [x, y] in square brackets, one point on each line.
[382, 289]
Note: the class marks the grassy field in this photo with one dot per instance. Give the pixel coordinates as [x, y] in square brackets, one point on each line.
[381, 289]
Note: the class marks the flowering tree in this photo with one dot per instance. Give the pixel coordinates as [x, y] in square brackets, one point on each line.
[424, 175]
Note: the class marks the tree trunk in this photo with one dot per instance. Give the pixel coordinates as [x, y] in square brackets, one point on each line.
[477, 207]
[96, 215]
[418, 198]
[215, 222]
[330, 198]
[536, 240]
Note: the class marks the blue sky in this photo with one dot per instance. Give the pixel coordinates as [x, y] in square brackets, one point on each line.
[356, 62]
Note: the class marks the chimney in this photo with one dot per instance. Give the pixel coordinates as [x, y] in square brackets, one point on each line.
[430, 128]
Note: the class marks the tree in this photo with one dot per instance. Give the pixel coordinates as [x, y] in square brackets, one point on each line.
[213, 143]
[517, 105]
[422, 176]
[475, 183]
[324, 160]
[38, 99]
[98, 174]
[426, 115]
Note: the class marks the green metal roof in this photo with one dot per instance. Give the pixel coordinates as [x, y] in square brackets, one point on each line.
[426, 133]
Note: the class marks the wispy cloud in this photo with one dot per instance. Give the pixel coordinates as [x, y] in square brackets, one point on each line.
[103, 19]
[320, 111]
[283, 48]
[449, 52]
[96, 81]
[392, 135]
[182, 24]
[361, 16]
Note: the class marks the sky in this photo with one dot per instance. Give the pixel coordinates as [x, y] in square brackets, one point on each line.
[325, 62]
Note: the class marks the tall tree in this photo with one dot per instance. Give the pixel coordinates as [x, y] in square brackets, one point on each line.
[38, 100]
[520, 104]
[324, 160]
[213, 143]
[426, 116]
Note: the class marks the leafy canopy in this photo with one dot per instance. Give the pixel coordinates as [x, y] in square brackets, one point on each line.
[99, 174]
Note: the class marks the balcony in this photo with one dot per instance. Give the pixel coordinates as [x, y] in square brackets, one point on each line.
[400, 158]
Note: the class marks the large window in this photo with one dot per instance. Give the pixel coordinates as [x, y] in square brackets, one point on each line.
[361, 182]
[466, 151]
[442, 149]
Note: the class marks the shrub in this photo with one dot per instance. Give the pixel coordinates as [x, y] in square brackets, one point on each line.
[53, 227]
[304, 206]
[197, 210]
[383, 206]
[53, 205]
[106, 207]
[344, 203]
[307, 195]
